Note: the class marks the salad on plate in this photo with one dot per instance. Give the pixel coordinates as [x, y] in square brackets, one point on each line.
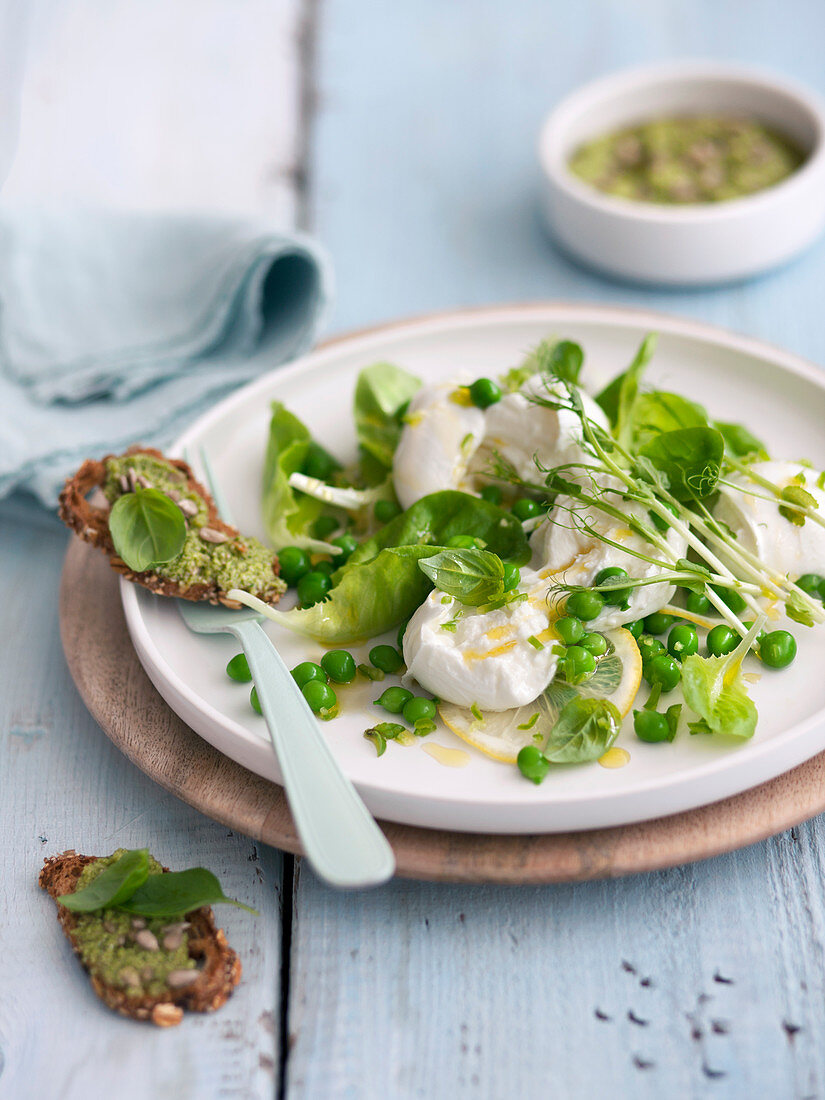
[551, 557]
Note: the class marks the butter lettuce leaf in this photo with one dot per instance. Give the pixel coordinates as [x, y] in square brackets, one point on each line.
[713, 687]
[382, 392]
[381, 584]
[288, 515]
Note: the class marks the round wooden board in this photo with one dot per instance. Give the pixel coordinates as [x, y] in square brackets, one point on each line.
[130, 711]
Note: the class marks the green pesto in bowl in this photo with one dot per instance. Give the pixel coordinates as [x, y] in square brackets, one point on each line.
[685, 160]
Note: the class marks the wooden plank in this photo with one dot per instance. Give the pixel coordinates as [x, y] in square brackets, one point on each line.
[66, 786]
[193, 105]
[705, 981]
[423, 187]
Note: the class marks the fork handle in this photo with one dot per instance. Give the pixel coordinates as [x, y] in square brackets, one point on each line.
[339, 835]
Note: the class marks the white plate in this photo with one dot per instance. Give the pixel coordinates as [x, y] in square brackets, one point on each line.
[779, 396]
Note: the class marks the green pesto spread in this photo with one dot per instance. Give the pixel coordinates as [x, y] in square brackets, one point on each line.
[106, 944]
[705, 158]
[239, 563]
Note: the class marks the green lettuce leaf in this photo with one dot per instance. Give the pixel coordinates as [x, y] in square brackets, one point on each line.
[381, 394]
[713, 687]
[381, 584]
[287, 514]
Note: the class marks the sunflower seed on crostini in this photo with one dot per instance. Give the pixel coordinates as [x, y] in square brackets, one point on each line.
[138, 923]
[133, 478]
[129, 976]
[188, 507]
[209, 534]
[144, 482]
[147, 940]
[172, 940]
[179, 979]
[123, 482]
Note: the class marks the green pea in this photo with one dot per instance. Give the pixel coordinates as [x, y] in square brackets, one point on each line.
[255, 701]
[570, 630]
[813, 584]
[657, 623]
[663, 669]
[394, 699]
[347, 545]
[533, 764]
[649, 647]
[636, 628]
[595, 644]
[386, 657]
[385, 510]
[682, 641]
[651, 726]
[418, 709]
[339, 665]
[462, 542]
[615, 596]
[484, 392]
[320, 696]
[721, 640]
[294, 564]
[525, 508]
[324, 566]
[313, 587]
[319, 463]
[730, 598]
[238, 669]
[306, 671]
[658, 522]
[777, 649]
[579, 664]
[584, 605]
[492, 494]
[323, 527]
[698, 604]
[512, 576]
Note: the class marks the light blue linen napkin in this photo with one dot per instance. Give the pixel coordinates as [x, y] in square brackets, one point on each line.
[118, 328]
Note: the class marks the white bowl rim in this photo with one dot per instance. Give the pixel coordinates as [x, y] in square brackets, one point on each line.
[615, 83]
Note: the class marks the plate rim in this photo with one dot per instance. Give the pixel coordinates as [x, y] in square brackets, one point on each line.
[721, 768]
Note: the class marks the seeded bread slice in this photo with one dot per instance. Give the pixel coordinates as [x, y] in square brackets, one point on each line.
[89, 518]
[220, 967]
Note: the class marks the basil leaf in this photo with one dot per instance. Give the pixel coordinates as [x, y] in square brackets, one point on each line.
[381, 392]
[690, 459]
[617, 399]
[435, 519]
[178, 892]
[585, 730]
[473, 577]
[147, 528]
[659, 411]
[740, 442]
[113, 886]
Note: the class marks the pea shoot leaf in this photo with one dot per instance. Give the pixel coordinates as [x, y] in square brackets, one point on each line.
[690, 459]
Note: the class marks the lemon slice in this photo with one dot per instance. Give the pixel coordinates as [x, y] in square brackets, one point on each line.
[502, 734]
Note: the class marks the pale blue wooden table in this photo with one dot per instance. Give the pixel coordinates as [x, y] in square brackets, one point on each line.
[416, 168]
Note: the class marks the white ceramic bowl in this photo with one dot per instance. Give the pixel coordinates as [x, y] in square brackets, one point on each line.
[697, 243]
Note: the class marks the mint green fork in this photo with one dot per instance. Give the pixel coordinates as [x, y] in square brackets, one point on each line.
[338, 834]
